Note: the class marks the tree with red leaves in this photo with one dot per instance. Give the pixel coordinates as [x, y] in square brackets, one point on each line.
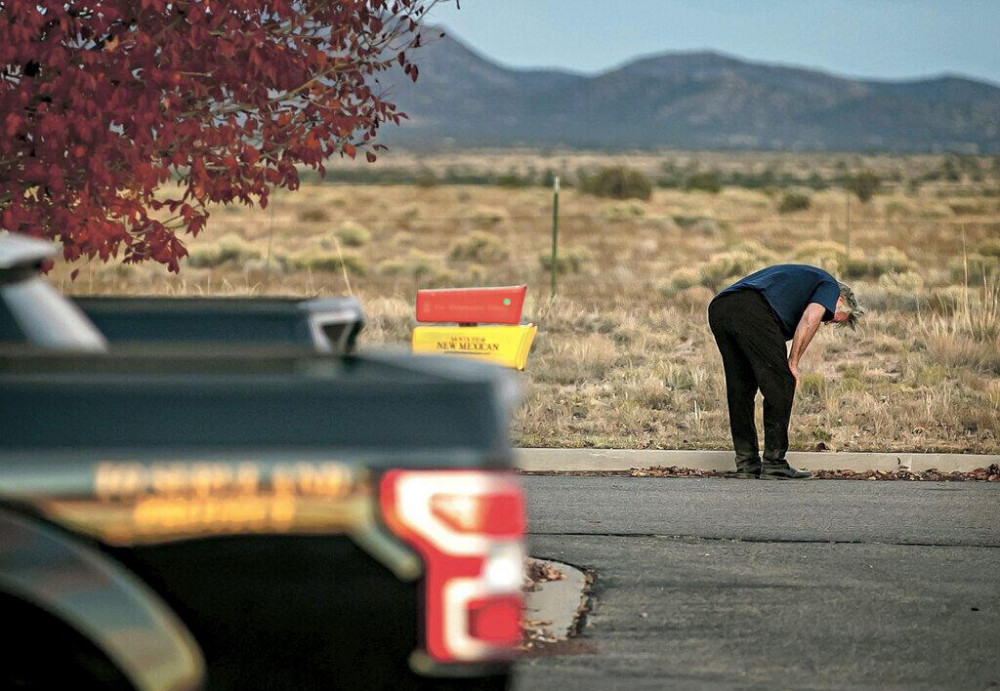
[102, 103]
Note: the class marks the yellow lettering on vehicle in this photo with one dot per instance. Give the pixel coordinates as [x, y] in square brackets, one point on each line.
[135, 502]
[118, 479]
[234, 514]
[114, 481]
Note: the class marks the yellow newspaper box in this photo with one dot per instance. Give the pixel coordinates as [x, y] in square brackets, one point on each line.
[505, 341]
[503, 345]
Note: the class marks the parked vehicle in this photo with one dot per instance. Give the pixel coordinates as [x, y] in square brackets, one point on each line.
[246, 517]
[326, 325]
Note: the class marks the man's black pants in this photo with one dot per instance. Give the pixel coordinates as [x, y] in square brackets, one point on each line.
[754, 356]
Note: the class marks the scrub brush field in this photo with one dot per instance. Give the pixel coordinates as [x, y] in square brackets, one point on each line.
[624, 357]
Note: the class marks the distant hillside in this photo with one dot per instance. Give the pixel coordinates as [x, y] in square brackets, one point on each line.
[685, 100]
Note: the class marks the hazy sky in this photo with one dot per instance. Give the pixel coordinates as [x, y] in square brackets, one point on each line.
[892, 39]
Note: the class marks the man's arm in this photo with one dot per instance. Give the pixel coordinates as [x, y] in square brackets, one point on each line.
[804, 332]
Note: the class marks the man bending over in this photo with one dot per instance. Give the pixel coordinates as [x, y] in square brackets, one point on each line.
[751, 321]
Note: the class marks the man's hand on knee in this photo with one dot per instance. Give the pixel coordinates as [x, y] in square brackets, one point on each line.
[794, 368]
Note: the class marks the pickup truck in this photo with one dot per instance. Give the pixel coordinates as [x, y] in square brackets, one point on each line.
[254, 516]
[31, 311]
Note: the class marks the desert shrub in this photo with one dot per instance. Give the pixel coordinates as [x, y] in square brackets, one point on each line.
[825, 254]
[618, 213]
[313, 214]
[652, 394]
[898, 291]
[927, 375]
[512, 179]
[708, 226]
[426, 177]
[684, 278]
[724, 267]
[392, 268]
[488, 216]
[678, 377]
[947, 299]
[618, 182]
[886, 260]
[865, 185]
[352, 234]
[698, 224]
[410, 213]
[476, 273]
[320, 260]
[233, 248]
[856, 267]
[933, 212]
[388, 320]
[694, 298]
[259, 265]
[571, 260]
[849, 385]
[415, 264]
[989, 248]
[812, 384]
[968, 209]
[982, 269]
[403, 239]
[686, 222]
[441, 278]
[703, 182]
[279, 262]
[890, 260]
[900, 208]
[955, 347]
[908, 280]
[589, 357]
[794, 201]
[479, 247]
[229, 249]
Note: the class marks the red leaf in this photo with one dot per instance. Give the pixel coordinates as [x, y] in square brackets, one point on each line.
[187, 94]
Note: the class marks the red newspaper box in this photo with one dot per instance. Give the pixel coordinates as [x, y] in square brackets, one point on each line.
[472, 305]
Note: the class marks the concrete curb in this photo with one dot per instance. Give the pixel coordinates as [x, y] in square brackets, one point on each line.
[557, 603]
[589, 460]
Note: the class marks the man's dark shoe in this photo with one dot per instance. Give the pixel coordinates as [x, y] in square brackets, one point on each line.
[746, 470]
[780, 470]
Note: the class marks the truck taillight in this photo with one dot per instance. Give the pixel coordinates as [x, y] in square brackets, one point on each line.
[468, 527]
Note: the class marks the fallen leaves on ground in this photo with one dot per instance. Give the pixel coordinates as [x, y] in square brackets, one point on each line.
[543, 571]
[535, 633]
[990, 474]
[537, 639]
[674, 471]
[537, 571]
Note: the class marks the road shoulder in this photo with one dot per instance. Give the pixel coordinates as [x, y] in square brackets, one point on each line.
[609, 460]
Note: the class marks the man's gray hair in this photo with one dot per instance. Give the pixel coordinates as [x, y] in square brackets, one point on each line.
[851, 306]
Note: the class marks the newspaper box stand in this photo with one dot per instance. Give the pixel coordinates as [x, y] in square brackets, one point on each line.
[488, 324]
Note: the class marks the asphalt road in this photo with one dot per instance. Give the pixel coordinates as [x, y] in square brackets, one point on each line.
[710, 583]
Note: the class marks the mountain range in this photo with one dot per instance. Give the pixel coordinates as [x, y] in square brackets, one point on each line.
[698, 100]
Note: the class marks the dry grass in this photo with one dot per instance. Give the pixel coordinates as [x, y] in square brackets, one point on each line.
[624, 357]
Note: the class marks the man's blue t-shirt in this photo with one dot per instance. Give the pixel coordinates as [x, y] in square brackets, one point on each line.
[789, 288]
